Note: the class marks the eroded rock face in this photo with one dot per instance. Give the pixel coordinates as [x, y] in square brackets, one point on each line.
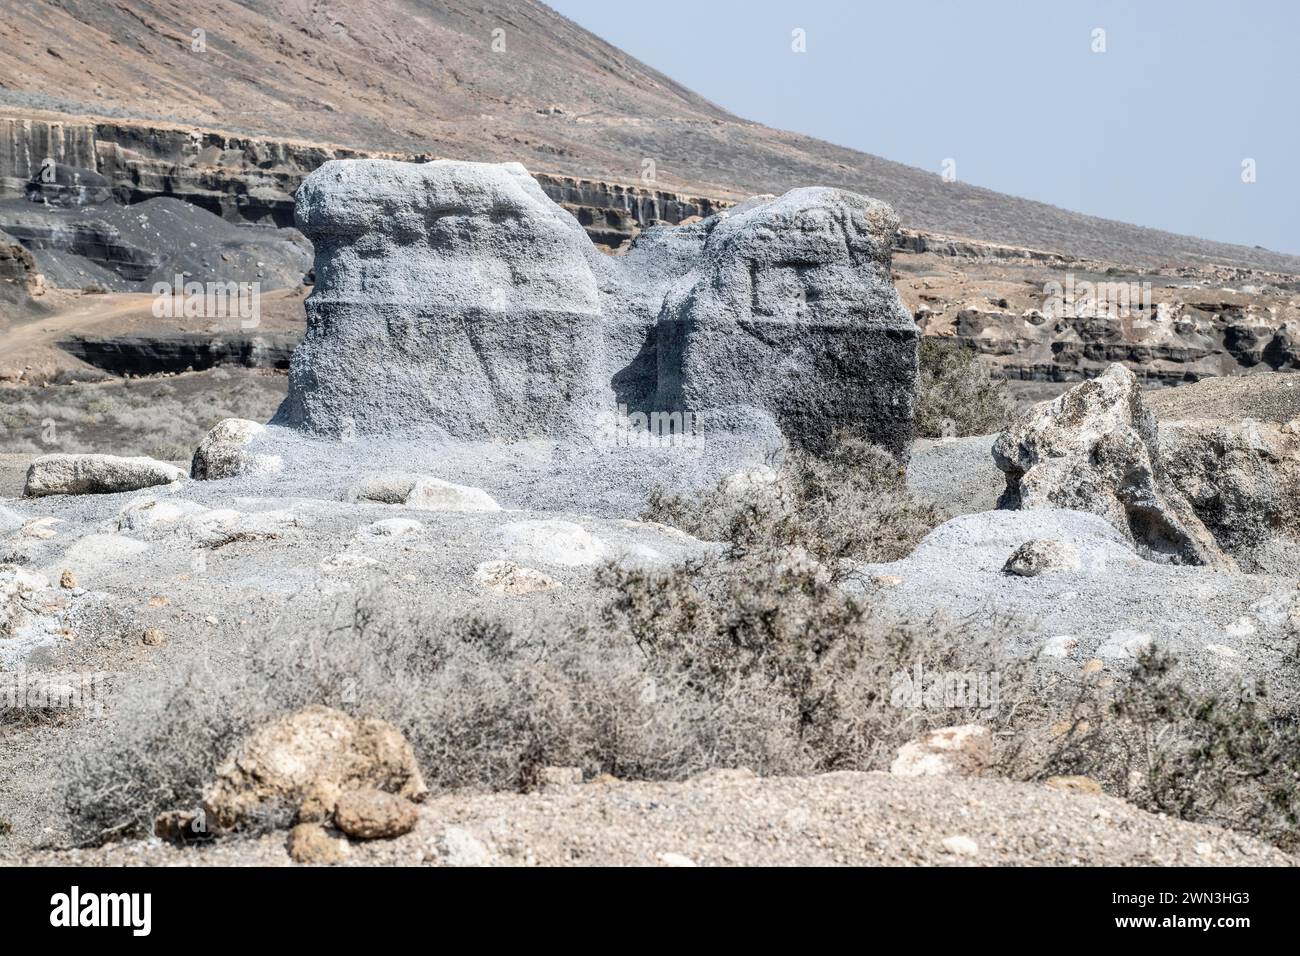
[456, 298]
[1095, 449]
[791, 309]
[305, 762]
[453, 296]
[1241, 478]
[96, 475]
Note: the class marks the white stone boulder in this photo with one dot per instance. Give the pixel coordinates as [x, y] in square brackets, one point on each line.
[96, 475]
[224, 452]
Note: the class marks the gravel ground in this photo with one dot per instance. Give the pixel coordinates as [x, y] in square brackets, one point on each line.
[733, 818]
[1265, 397]
[1221, 626]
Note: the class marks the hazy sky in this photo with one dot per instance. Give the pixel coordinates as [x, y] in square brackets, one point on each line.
[1152, 131]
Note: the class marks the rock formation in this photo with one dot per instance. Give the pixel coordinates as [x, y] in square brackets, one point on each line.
[456, 299]
[790, 307]
[1095, 449]
[1243, 481]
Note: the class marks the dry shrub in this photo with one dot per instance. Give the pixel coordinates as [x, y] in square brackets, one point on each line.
[957, 393]
[727, 663]
[851, 503]
[1228, 757]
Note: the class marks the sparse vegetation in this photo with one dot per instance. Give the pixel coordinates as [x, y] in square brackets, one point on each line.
[1227, 757]
[852, 503]
[957, 393]
[163, 417]
[724, 664]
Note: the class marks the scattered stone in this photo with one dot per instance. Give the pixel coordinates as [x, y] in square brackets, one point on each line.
[1221, 650]
[1125, 644]
[951, 751]
[40, 529]
[343, 561]
[559, 776]
[1042, 557]
[68, 580]
[1095, 449]
[506, 577]
[153, 637]
[96, 475]
[676, 859]
[748, 482]
[311, 843]
[1063, 645]
[421, 491]
[961, 845]
[1073, 784]
[317, 752]
[372, 814]
[224, 452]
[393, 528]
[886, 580]
[179, 826]
[552, 542]
[1093, 666]
[459, 847]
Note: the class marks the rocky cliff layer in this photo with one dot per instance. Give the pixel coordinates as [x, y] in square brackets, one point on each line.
[252, 179]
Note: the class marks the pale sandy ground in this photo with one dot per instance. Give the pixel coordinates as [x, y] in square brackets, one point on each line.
[732, 818]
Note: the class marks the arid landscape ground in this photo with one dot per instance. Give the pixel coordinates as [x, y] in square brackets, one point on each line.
[337, 525]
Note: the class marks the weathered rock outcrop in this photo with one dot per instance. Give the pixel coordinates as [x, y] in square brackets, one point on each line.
[1095, 449]
[790, 308]
[452, 296]
[95, 475]
[457, 299]
[1241, 478]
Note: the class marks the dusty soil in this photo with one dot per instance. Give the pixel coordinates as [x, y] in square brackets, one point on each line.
[731, 818]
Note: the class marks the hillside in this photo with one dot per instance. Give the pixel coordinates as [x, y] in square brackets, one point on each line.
[424, 78]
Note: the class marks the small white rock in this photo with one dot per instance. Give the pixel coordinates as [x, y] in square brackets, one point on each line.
[961, 845]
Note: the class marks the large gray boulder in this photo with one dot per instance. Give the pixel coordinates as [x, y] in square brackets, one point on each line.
[1095, 449]
[457, 299]
[790, 309]
[1243, 481]
[449, 296]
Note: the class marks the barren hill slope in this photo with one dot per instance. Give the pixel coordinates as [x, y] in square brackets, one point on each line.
[434, 77]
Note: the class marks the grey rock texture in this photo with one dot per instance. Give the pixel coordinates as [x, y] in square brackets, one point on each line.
[1243, 481]
[456, 300]
[449, 296]
[1044, 556]
[1111, 599]
[958, 474]
[791, 308]
[95, 475]
[224, 453]
[1095, 449]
